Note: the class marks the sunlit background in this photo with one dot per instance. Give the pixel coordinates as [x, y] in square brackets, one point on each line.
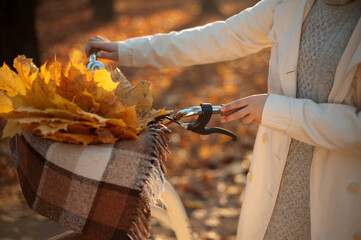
[209, 172]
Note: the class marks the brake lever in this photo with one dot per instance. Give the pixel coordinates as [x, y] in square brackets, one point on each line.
[198, 126]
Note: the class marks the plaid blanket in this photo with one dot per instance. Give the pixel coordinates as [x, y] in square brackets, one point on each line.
[102, 191]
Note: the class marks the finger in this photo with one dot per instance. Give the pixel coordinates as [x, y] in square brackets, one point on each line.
[256, 122]
[236, 115]
[108, 55]
[100, 38]
[88, 48]
[248, 119]
[94, 38]
[101, 45]
[109, 46]
[95, 45]
[230, 111]
[240, 103]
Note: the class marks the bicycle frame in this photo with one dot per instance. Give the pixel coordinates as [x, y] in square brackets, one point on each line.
[174, 215]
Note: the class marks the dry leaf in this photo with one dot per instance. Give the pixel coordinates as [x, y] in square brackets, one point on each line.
[5, 103]
[68, 103]
[11, 82]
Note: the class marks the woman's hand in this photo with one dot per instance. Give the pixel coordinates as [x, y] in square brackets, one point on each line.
[107, 49]
[249, 109]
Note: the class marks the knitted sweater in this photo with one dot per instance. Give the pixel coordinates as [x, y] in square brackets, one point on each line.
[325, 34]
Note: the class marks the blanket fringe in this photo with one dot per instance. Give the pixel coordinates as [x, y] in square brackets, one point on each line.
[151, 181]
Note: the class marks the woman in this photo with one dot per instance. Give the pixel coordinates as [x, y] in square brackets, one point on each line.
[305, 176]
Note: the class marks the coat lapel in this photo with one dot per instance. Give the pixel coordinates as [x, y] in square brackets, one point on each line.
[288, 20]
[348, 63]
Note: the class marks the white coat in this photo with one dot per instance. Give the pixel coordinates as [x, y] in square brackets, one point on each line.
[334, 128]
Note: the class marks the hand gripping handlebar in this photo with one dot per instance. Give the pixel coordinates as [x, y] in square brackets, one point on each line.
[204, 113]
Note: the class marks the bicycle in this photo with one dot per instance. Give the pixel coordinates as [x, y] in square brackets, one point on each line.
[173, 214]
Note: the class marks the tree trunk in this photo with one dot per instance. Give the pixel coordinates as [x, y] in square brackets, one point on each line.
[17, 31]
[103, 9]
[209, 6]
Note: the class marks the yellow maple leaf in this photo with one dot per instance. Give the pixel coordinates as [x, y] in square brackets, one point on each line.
[26, 69]
[71, 104]
[51, 71]
[5, 103]
[103, 79]
[10, 82]
[11, 129]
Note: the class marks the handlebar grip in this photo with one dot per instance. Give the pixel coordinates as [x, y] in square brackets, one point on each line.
[225, 114]
[93, 51]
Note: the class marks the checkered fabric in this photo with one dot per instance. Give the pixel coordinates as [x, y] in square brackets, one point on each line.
[102, 191]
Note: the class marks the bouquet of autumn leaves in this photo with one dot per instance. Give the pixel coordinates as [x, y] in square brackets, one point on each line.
[69, 103]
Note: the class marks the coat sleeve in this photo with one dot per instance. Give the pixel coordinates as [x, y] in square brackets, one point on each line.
[331, 126]
[240, 35]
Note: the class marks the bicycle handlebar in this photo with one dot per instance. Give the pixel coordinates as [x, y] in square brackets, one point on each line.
[189, 112]
[204, 111]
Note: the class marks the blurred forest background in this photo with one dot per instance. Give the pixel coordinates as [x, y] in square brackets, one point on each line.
[209, 172]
